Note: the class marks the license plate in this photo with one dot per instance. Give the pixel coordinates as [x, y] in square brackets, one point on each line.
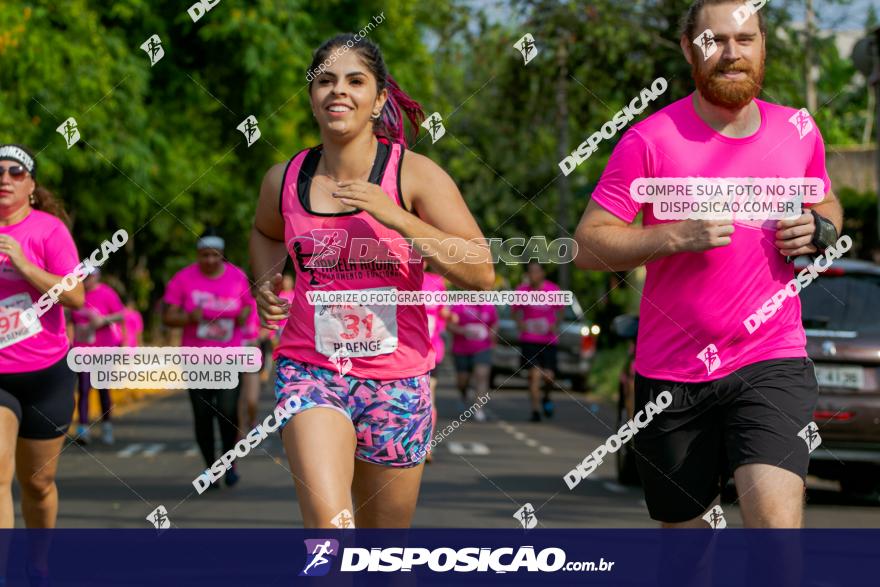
[848, 377]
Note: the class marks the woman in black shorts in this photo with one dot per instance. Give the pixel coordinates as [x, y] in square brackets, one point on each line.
[36, 386]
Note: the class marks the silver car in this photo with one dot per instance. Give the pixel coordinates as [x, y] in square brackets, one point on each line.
[575, 350]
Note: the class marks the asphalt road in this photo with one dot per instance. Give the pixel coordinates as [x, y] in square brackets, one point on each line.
[481, 475]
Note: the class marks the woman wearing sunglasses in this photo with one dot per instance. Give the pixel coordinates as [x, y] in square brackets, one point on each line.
[36, 386]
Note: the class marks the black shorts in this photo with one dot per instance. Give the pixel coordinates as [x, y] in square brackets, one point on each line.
[466, 363]
[536, 354]
[689, 451]
[41, 400]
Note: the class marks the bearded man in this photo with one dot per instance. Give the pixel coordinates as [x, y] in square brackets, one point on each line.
[740, 399]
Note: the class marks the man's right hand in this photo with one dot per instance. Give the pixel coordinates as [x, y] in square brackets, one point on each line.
[701, 235]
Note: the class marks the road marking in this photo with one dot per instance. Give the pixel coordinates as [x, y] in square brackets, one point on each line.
[615, 487]
[467, 448]
[153, 450]
[546, 450]
[531, 442]
[192, 451]
[129, 450]
[519, 436]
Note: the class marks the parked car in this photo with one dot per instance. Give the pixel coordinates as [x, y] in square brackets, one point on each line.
[841, 314]
[577, 345]
[841, 317]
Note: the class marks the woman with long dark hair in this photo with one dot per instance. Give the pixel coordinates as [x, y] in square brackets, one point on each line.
[367, 363]
[36, 385]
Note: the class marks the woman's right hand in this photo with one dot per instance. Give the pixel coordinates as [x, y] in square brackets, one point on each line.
[271, 308]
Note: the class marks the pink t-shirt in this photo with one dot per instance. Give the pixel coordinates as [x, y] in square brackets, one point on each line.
[134, 325]
[221, 299]
[693, 300]
[538, 320]
[45, 242]
[477, 322]
[250, 333]
[101, 300]
[436, 323]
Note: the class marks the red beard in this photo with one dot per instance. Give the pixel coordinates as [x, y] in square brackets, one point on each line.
[725, 93]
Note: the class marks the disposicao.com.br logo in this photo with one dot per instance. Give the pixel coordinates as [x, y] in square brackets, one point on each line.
[321, 552]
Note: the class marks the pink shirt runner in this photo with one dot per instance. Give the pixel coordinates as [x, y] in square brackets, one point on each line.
[380, 342]
[101, 300]
[693, 300]
[478, 322]
[538, 320]
[436, 323]
[250, 333]
[221, 299]
[45, 242]
[134, 325]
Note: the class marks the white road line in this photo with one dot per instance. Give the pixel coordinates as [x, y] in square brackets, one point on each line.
[467, 448]
[545, 450]
[192, 451]
[129, 450]
[153, 449]
[531, 442]
[519, 436]
[615, 487]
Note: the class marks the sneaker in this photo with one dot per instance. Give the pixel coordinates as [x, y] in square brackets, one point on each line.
[549, 407]
[232, 477]
[536, 417]
[107, 433]
[82, 435]
[479, 415]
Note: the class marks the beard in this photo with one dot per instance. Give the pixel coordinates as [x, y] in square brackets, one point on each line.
[725, 93]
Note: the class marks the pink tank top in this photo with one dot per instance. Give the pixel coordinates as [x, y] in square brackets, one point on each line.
[345, 251]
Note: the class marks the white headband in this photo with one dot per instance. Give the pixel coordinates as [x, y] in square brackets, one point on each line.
[17, 154]
[211, 242]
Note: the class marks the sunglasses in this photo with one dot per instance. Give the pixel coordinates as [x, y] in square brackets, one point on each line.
[15, 171]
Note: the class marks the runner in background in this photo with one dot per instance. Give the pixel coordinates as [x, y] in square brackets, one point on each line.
[366, 365]
[36, 386]
[100, 322]
[473, 338]
[208, 299]
[437, 315]
[134, 325]
[250, 382]
[538, 335]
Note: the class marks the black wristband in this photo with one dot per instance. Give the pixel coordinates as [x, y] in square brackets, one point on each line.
[825, 233]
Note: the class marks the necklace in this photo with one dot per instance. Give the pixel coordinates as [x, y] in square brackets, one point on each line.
[359, 176]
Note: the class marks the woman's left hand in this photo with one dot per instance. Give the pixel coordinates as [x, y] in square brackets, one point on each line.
[12, 249]
[368, 197]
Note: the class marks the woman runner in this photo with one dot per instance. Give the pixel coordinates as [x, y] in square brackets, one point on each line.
[367, 363]
[100, 322]
[209, 300]
[36, 386]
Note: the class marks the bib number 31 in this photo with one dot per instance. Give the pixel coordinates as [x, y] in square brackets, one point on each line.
[363, 331]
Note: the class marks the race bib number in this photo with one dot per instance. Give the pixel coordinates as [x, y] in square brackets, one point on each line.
[12, 328]
[476, 331]
[362, 331]
[219, 330]
[537, 326]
